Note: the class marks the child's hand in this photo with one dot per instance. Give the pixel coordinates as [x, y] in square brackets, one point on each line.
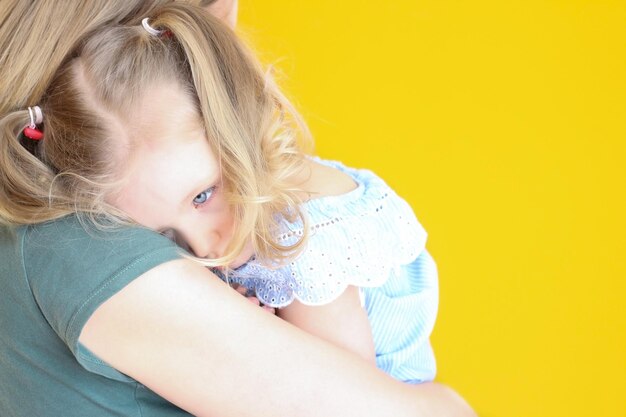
[244, 291]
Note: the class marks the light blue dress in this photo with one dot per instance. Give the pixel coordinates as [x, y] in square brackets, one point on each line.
[369, 238]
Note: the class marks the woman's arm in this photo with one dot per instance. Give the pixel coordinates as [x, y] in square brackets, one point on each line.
[183, 333]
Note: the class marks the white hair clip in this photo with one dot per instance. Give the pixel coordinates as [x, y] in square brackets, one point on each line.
[36, 118]
[36, 115]
[150, 29]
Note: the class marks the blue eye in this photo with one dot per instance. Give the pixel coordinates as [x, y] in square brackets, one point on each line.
[204, 196]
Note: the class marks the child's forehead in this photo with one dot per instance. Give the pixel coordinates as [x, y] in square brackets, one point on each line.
[169, 153]
[166, 113]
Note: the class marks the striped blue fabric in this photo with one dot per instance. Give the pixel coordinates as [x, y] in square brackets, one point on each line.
[402, 315]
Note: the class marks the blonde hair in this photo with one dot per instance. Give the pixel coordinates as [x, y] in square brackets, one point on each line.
[252, 128]
[37, 36]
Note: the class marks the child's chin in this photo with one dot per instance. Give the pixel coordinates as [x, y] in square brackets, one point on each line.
[238, 263]
[244, 257]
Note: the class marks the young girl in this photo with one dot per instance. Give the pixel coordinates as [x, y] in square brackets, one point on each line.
[338, 253]
[342, 257]
[100, 315]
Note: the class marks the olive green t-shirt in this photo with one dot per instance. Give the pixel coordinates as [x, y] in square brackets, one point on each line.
[53, 277]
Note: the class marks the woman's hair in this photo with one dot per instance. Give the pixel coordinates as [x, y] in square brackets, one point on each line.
[88, 105]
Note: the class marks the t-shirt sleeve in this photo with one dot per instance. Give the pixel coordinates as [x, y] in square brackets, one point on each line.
[72, 269]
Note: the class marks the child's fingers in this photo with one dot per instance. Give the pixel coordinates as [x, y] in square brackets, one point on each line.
[240, 289]
[254, 300]
[243, 291]
[269, 309]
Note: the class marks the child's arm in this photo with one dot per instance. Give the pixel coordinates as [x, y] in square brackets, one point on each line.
[342, 322]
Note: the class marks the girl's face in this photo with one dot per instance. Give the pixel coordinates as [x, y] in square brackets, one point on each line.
[173, 179]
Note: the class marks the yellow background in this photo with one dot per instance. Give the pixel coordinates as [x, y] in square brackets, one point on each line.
[503, 124]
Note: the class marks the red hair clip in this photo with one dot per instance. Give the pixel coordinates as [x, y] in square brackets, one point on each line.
[36, 117]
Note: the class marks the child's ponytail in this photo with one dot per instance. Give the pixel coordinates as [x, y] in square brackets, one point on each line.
[25, 181]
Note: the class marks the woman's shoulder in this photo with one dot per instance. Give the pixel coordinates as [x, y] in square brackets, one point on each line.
[72, 266]
[84, 239]
[81, 247]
